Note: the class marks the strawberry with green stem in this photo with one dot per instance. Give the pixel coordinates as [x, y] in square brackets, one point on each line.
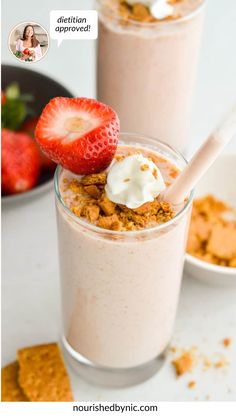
[15, 107]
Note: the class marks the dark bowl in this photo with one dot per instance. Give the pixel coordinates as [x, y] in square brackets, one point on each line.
[43, 88]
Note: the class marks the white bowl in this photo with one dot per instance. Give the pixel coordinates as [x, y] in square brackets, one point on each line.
[26, 196]
[220, 181]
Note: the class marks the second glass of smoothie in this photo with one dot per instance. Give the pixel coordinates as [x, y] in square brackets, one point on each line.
[120, 289]
[147, 67]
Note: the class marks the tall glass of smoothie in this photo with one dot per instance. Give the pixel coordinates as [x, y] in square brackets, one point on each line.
[147, 61]
[120, 267]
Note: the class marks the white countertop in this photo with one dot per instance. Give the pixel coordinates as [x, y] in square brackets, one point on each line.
[30, 285]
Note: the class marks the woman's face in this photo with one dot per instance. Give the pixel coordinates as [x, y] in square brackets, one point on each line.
[29, 32]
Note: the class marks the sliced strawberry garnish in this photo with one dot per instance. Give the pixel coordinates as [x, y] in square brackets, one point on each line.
[29, 127]
[78, 133]
[20, 162]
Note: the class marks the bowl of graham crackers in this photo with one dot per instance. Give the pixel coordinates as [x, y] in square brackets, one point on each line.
[211, 245]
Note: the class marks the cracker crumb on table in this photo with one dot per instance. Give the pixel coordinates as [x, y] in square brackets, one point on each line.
[227, 342]
[184, 363]
[191, 384]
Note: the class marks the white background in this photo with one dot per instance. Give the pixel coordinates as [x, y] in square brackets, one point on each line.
[30, 308]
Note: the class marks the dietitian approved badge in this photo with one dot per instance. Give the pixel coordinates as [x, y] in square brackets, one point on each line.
[73, 24]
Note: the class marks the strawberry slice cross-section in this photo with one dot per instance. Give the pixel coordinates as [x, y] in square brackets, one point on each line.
[80, 134]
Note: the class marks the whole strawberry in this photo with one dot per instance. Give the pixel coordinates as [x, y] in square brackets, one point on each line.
[3, 98]
[80, 134]
[20, 162]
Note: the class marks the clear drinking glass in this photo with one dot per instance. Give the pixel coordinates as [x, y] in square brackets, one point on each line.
[120, 290]
[147, 72]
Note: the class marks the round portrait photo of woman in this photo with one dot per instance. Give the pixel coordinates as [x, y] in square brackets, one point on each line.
[28, 42]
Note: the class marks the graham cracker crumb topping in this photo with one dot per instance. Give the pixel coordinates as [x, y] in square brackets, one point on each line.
[93, 191]
[89, 200]
[94, 179]
[144, 167]
[154, 172]
[174, 1]
[141, 13]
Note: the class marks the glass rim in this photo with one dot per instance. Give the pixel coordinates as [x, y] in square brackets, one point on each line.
[132, 233]
[161, 23]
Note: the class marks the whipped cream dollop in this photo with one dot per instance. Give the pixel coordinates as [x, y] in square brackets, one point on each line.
[134, 181]
[160, 9]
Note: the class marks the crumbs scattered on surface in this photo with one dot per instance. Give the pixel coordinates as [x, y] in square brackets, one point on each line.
[227, 342]
[186, 360]
[222, 362]
[192, 384]
[207, 363]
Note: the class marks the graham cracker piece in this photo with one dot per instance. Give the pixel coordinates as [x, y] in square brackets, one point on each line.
[149, 208]
[11, 390]
[108, 207]
[91, 212]
[75, 186]
[43, 375]
[93, 191]
[108, 222]
[94, 179]
[140, 12]
[184, 363]
[212, 233]
[222, 242]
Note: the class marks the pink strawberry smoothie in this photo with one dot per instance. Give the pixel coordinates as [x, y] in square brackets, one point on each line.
[147, 71]
[120, 289]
